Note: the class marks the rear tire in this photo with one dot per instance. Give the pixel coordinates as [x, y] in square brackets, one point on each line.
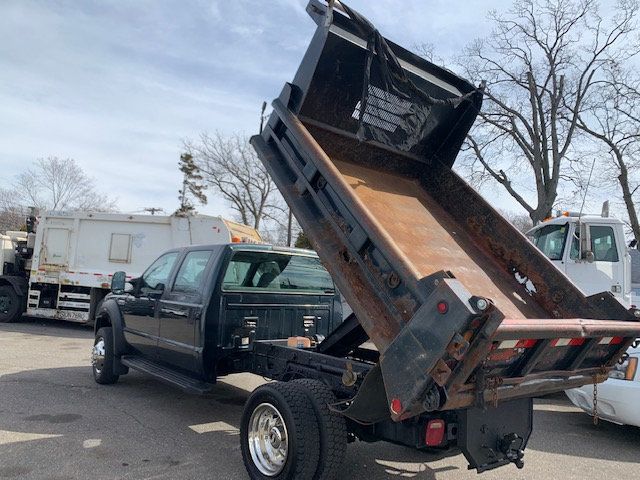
[102, 357]
[332, 428]
[10, 304]
[279, 433]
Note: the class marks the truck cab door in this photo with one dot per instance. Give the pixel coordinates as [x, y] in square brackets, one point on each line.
[181, 310]
[606, 272]
[139, 309]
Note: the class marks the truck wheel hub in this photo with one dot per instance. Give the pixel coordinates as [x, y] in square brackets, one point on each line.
[97, 355]
[268, 442]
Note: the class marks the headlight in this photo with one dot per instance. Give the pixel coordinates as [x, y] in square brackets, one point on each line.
[626, 371]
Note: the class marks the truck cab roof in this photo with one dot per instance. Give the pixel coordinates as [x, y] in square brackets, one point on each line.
[564, 219]
[247, 246]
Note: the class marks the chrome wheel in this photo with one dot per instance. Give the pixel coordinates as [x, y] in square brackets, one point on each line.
[268, 440]
[97, 355]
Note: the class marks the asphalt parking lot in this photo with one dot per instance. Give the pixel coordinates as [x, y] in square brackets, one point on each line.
[57, 424]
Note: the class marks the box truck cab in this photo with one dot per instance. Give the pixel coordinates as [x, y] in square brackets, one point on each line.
[591, 250]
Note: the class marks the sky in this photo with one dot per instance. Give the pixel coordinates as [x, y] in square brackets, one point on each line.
[117, 85]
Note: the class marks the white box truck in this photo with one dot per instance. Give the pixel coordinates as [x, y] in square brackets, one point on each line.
[63, 269]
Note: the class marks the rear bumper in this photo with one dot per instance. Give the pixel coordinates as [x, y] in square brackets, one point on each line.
[68, 315]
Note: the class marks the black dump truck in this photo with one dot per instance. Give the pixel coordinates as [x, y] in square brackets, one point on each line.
[458, 320]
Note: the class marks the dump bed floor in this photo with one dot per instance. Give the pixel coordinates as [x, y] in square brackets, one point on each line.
[432, 240]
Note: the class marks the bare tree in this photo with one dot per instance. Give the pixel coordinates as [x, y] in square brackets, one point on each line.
[612, 118]
[519, 220]
[12, 214]
[540, 64]
[232, 169]
[60, 184]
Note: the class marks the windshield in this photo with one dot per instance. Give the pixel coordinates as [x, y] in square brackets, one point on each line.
[550, 240]
[255, 270]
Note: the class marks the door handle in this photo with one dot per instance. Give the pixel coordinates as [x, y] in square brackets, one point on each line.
[308, 321]
[250, 322]
[171, 311]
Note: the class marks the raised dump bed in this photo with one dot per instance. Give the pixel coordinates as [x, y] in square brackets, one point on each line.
[462, 308]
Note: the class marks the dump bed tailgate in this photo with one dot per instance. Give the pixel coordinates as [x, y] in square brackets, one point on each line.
[462, 308]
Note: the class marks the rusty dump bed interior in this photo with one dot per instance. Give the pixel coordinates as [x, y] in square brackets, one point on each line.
[432, 240]
[460, 305]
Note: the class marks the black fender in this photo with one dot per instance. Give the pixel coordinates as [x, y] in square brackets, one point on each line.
[109, 314]
[19, 284]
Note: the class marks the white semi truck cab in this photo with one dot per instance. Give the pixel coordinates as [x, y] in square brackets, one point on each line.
[591, 250]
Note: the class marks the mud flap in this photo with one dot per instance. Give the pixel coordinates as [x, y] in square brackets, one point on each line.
[495, 436]
[370, 403]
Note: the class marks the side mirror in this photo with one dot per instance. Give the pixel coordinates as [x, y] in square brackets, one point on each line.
[589, 256]
[128, 287]
[118, 282]
[160, 287]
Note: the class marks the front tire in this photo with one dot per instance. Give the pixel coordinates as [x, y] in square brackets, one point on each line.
[102, 357]
[10, 304]
[279, 433]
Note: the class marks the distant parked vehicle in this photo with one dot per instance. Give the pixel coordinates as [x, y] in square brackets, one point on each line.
[618, 397]
[592, 251]
[62, 267]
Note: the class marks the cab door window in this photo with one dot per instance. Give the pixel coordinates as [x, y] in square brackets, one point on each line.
[190, 277]
[157, 275]
[603, 244]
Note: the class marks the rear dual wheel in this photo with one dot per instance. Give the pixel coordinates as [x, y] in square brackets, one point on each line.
[288, 432]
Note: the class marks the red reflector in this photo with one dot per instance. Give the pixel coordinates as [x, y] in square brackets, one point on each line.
[434, 435]
[616, 340]
[396, 406]
[443, 307]
[526, 343]
[577, 341]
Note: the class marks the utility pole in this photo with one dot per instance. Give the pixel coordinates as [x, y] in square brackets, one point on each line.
[153, 210]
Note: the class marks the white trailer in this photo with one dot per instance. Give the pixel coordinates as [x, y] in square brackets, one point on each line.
[73, 256]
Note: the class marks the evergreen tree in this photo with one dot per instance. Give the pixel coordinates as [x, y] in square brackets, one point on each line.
[192, 186]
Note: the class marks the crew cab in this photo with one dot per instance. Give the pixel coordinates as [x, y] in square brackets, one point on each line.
[190, 314]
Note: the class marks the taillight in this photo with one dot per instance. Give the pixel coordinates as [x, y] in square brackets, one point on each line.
[434, 436]
[396, 406]
[626, 371]
[443, 307]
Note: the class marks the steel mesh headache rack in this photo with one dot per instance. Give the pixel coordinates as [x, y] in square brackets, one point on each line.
[461, 307]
